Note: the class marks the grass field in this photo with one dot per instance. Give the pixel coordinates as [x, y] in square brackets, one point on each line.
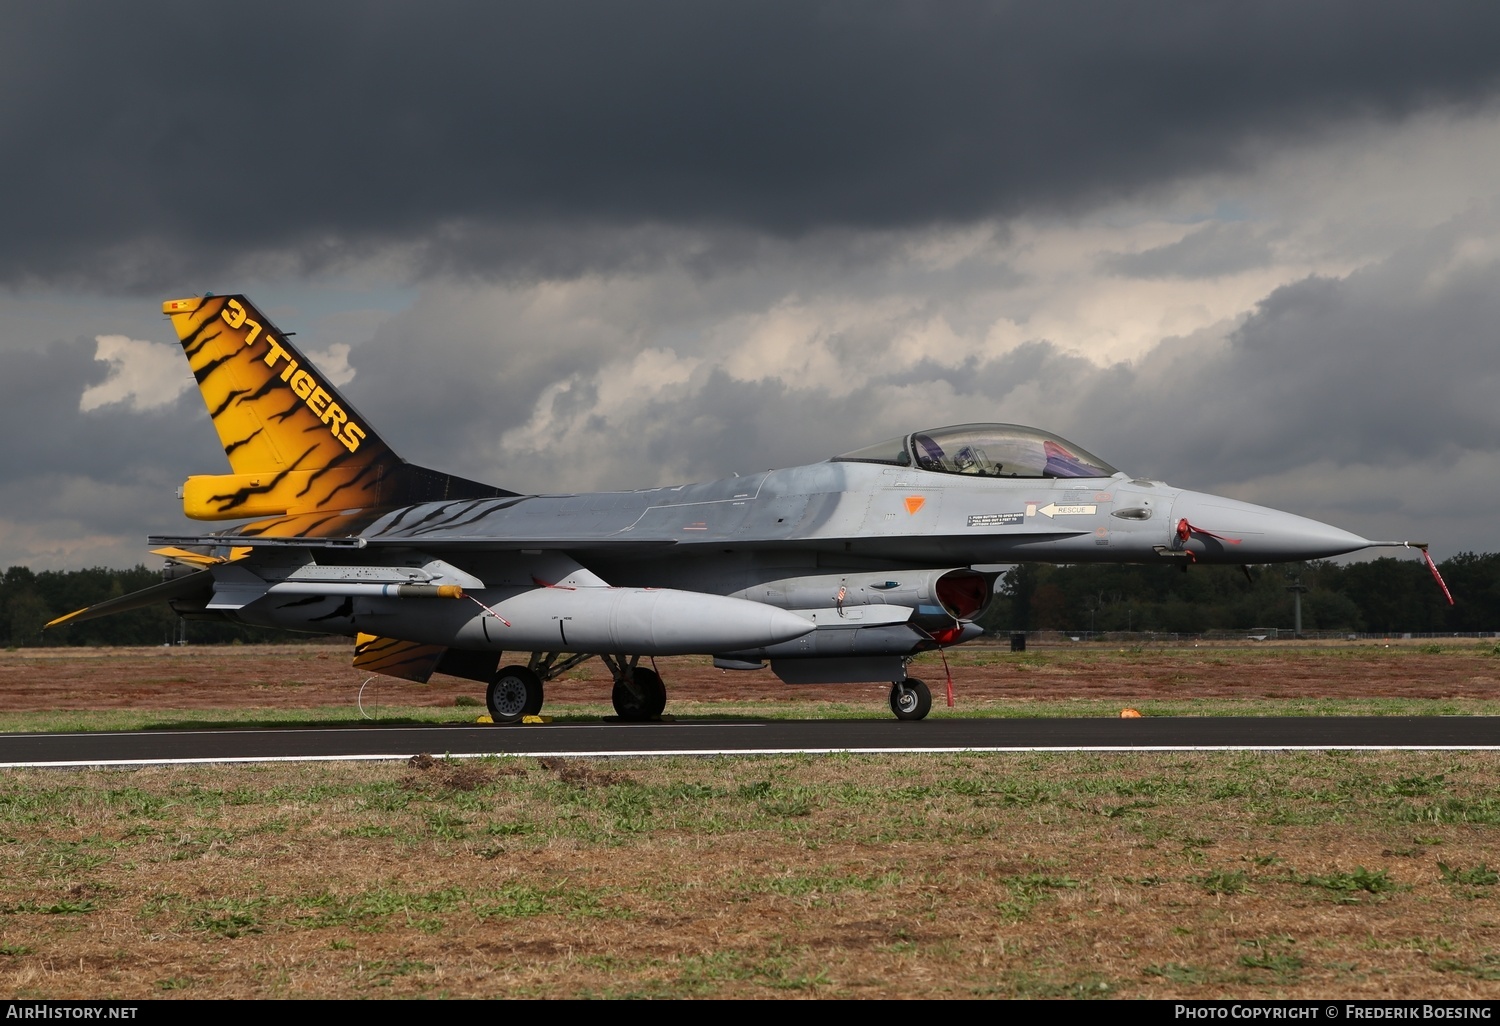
[924, 876]
[996, 875]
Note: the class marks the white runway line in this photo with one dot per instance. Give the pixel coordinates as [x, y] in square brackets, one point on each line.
[653, 753]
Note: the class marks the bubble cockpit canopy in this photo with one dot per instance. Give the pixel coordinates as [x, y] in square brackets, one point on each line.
[985, 450]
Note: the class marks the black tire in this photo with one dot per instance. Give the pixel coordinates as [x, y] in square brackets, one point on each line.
[648, 704]
[910, 699]
[514, 693]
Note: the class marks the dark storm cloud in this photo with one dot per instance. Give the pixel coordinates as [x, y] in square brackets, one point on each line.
[110, 472]
[1389, 371]
[1392, 366]
[144, 141]
[44, 430]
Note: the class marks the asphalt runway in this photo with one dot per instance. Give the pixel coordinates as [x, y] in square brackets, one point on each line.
[750, 737]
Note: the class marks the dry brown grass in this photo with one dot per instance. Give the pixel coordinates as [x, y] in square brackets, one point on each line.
[312, 676]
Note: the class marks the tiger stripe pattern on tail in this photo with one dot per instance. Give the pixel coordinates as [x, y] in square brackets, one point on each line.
[294, 443]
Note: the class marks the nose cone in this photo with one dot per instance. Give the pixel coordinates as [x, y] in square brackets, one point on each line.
[1228, 531]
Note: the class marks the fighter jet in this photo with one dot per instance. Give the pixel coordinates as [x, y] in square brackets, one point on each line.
[837, 572]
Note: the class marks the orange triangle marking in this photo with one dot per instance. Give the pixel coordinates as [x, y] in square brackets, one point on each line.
[914, 503]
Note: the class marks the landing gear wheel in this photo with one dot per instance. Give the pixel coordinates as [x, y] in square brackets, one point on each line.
[645, 701]
[515, 692]
[910, 699]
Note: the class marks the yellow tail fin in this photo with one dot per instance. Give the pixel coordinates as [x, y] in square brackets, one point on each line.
[294, 444]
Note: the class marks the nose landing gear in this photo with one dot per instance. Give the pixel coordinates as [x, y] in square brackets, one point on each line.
[911, 699]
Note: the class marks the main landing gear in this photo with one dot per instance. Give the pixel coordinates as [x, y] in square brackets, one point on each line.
[638, 694]
[911, 699]
[516, 692]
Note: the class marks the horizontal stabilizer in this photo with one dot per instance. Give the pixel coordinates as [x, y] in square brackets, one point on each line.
[414, 661]
[183, 587]
[408, 660]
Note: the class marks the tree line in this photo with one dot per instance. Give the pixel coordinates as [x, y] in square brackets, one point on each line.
[1381, 596]
[28, 600]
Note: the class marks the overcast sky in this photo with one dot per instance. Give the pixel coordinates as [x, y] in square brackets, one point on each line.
[1245, 248]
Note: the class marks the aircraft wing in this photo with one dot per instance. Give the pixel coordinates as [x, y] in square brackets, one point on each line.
[356, 543]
